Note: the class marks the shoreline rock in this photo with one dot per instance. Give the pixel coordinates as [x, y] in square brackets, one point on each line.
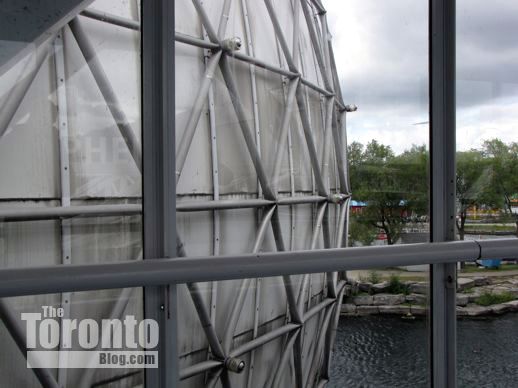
[375, 300]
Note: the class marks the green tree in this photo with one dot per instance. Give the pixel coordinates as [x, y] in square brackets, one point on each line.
[360, 232]
[391, 185]
[503, 161]
[474, 186]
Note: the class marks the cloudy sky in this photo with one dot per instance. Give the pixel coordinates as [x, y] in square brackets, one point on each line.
[381, 49]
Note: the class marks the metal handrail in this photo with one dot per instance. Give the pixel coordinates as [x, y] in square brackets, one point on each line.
[83, 277]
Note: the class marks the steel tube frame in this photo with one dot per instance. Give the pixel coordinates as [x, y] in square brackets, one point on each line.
[280, 36]
[17, 332]
[194, 117]
[245, 128]
[283, 133]
[265, 65]
[300, 101]
[64, 171]
[223, 20]
[259, 341]
[331, 336]
[306, 126]
[107, 92]
[318, 308]
[318, 345]
[257, 128]
[340, 159]
[314, 239]
[111, 19]
[288, 285]
[238, 304]
[216, 235]
[301, 200]
[193, 41]
[202, 310]
[19, 90]
[23, 213]
[187, 39]
[328, 134]
[85, 380]
[343, 136]
[203, 314]
[284, 359]
[166, 271]
[201, 367]
[205, 21]
[168, 290]
[317, 88]
[31, 213]
[314, 41]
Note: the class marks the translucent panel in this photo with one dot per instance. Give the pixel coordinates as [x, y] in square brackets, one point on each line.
[252, 323]
[70, 149]
[260, 154]
[487, 190]
[92, 339]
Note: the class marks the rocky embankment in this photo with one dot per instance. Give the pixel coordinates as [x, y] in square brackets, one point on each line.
[477, 296]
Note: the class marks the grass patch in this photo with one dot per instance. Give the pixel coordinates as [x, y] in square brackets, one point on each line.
[373, 277]
[415, 278]
[489, 228]
[469, 290]
[488, 298]
[396, 286]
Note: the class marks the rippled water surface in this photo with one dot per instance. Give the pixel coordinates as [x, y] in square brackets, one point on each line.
[388, 352]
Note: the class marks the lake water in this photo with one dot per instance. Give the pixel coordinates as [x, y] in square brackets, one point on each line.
[378, 351]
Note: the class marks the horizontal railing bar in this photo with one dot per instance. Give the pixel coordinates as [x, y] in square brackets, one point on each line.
[111, 19]
[84, 277]
[55, 212]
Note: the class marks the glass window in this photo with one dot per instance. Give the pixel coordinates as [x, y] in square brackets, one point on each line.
[260, 134]
[381, 51]
[92, 339]
[487, 189]
[70, 149]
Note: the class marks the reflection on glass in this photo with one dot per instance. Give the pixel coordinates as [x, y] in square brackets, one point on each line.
[382, 57]
[94, 339]
[70, 185]
[487, 189]
[260, 159]
[262, 326]
[70, 153]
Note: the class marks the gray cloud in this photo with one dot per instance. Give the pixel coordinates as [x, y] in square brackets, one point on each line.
[382, 55]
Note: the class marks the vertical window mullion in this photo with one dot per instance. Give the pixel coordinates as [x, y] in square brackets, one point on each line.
[159, 177]
[442, 189]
